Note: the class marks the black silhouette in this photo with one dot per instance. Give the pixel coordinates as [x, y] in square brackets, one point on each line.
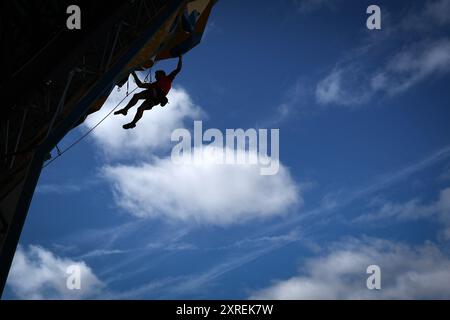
[155, 93]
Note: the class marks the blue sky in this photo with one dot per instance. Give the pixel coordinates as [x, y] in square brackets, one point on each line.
[364, 177]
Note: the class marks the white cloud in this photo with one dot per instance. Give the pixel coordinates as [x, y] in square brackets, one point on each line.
[406, 273]
[410, 66]
[153, 130]
[337, 89]
[414, 210]
[37, 273]
[203, 191]
[329, 89]
[400, 56]
[353, 84]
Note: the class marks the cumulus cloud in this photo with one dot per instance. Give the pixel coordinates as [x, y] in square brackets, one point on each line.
[406, 273]
[202, 191]
[400, 56]
[414, 210]
[37, 273]
[153, 131]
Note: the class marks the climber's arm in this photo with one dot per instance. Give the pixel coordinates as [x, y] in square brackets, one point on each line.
[139, 82]
[175, 72]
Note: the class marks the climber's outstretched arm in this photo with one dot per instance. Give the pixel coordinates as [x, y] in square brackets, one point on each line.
[139, 82]
[175, 72]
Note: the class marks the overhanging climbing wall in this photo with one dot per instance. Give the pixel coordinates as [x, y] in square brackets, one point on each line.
[69, 74]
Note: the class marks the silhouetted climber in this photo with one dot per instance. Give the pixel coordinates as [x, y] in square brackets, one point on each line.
[155, 94]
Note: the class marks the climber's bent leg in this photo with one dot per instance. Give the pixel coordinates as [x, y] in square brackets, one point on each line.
[146, 105]
[138, 96]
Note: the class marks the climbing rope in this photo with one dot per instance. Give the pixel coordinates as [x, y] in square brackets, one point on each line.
[73, 144]
[148, 78]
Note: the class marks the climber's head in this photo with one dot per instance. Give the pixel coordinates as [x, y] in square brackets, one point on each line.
[160, 74]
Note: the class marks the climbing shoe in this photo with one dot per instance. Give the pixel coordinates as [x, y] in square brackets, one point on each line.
[122, 111]
[128, 126]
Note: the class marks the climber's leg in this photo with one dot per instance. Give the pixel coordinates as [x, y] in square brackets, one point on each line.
[146, 105]
[138, 96]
